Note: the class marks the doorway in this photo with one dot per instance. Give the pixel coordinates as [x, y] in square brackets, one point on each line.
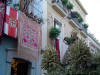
[19, 67]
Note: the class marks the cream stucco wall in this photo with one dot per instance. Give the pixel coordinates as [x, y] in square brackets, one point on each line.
[66, 27]
[52, 14]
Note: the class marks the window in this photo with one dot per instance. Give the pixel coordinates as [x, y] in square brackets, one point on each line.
[57, 24]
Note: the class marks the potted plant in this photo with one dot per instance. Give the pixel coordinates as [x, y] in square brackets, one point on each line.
[80, 19]
[85, 26]
[69, 5]
[54, 33]
[68, 40]
[64, 2]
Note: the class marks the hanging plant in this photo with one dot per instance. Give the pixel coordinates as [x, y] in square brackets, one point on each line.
[64, 2]
[54, 33]
[69, 5]
[85, 25]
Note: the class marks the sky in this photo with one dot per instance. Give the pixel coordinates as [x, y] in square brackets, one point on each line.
[93, 17]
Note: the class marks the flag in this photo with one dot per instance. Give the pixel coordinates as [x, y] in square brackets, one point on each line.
[11, 22]
[2, 13]
[58, 47]
[29, 38]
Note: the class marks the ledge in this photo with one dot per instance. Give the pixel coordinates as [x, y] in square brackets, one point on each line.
[83, 33]
[59, 9]
[73, 24]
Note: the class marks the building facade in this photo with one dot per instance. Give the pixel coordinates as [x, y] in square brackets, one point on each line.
[61, 17]
[93, 44]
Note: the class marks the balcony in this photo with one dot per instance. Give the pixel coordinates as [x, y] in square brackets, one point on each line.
[59, 7]
[76, 24]
[84, 29]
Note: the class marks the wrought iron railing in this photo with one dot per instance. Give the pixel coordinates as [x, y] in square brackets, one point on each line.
[84, 29]
[77, 22]
[60, 4]
[75, 19]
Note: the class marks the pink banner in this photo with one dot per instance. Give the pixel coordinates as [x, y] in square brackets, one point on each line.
[2, 13]
[29, 38]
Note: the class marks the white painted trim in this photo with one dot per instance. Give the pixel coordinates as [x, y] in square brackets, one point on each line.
[6, 28]
[8, 10]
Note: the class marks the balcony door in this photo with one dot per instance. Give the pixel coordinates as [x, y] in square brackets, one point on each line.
[58, 25]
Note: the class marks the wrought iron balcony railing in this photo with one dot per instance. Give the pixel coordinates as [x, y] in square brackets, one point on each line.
[59, 7]
[80, 25]
[84, 29]
[59, 2]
